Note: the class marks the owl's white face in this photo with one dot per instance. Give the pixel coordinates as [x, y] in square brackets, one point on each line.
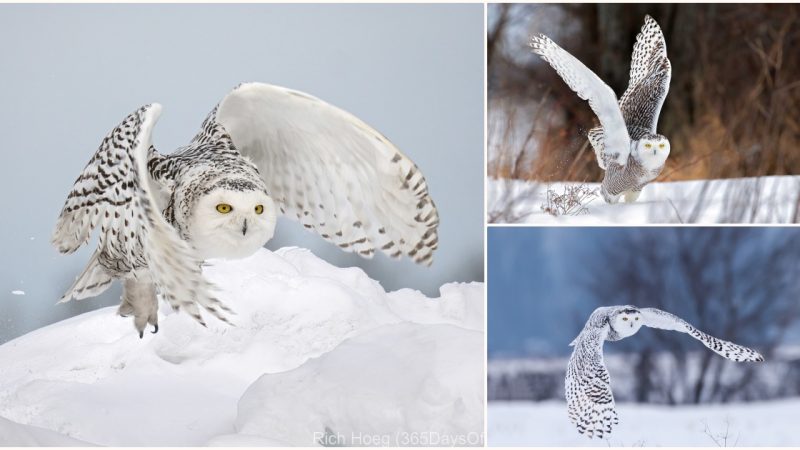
[232, 224]
[626, 323]
[653, 151]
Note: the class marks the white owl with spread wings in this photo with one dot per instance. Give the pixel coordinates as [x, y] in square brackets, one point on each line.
[626, 143]
[264, 150]
[590, 402]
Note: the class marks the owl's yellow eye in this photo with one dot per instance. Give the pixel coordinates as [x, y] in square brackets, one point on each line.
[648, 145]
[259, 209]
[624, 318]
[661, 145]
[224, 208]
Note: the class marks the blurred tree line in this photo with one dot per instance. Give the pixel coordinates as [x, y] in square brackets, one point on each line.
[733, 108]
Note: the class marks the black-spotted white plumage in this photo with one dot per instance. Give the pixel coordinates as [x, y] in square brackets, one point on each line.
[626, 143]
[262, 151]
[590, 402]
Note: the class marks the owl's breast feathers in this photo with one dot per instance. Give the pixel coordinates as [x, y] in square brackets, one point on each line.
[630, 177]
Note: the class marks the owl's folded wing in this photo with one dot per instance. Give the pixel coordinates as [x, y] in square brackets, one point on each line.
[114, 193]
[590, 402]
[588, 86]
[656, 318]
[330, 171]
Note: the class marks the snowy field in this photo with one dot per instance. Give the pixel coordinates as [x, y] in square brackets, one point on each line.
[732, 425]
[740, 200]
[318, 354]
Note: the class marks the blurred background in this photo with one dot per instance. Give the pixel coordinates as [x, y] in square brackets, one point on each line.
[739, 284]
[733, 104]
[73, 72]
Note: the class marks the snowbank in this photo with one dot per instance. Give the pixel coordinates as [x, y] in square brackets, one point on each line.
[14, 434]
[91, 377]
[433, 394]
[747, 424]
[541, 379]
[741, 200]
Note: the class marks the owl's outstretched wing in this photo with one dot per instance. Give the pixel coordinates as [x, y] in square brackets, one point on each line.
[650, 75]
[656, 318]
[590, 402]
[330, 171]
[588, 86]
[114, 193]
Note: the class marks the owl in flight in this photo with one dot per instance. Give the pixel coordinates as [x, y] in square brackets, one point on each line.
[627, 146]
[262, 151]
[590, 402]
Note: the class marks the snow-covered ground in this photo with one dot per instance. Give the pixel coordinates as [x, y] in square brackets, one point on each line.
[751, 424]
[741, 200]
[318, 354]
[15, 434]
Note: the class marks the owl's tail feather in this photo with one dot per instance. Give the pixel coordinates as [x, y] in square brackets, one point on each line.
[94, 280]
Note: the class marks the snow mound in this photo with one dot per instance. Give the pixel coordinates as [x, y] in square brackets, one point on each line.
[738, 200]
[435, 394]
[91, 378]
[14, 434]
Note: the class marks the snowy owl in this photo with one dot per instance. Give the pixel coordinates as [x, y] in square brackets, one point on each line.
[588, 386]
[263, 150]
[626, 144]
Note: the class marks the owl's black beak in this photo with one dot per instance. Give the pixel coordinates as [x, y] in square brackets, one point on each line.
[244, 228]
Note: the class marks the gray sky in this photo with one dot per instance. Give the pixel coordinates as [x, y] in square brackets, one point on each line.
[70, 73]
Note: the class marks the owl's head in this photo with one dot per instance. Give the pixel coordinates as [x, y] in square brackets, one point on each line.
[233, 220]
[626, 321]
[652, 150]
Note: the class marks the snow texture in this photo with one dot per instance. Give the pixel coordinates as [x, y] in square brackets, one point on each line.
[15, 434]
[740, 200]
[313, 346]
[426, 399]
[751, 424]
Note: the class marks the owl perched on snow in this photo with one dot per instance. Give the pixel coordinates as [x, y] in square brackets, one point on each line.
[626, 143]
[262, 151]
[588, 387]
